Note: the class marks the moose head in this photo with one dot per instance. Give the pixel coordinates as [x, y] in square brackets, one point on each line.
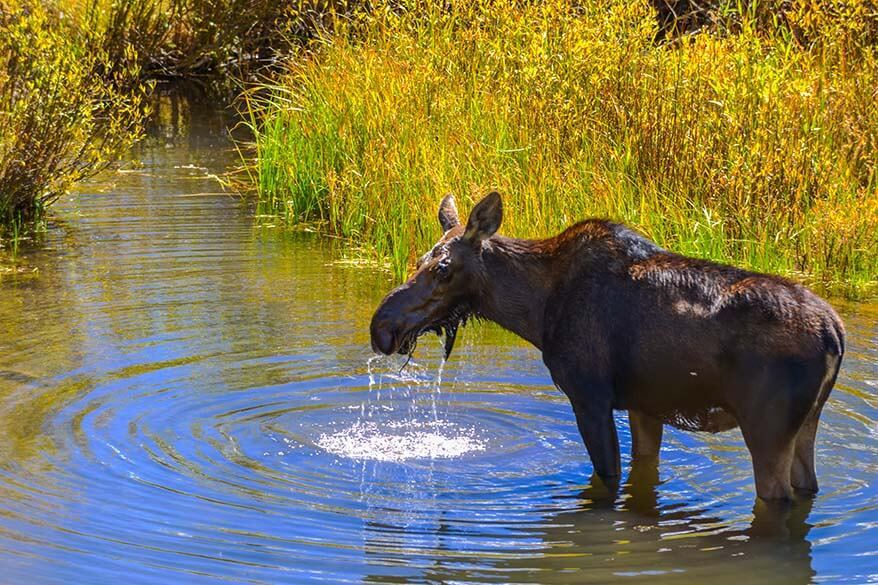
[443, 291]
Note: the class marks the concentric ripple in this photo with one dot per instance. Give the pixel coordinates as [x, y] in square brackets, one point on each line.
[187, 398]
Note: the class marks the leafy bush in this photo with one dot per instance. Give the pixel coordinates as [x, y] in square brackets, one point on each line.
[211, 40]
[65, 109]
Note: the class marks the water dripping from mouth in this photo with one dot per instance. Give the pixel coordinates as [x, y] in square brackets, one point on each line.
[401, 425]
[437, 389]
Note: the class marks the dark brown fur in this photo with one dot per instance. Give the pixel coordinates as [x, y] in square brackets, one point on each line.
[625, 325]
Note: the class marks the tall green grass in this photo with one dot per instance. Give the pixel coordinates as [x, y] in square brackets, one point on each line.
[756, 148]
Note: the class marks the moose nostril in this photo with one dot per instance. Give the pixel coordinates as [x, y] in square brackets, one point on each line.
[382, 340]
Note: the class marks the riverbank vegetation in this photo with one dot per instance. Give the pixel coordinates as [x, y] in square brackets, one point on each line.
[743, 132]
[75, 76]
[753, 142]
[63, 113]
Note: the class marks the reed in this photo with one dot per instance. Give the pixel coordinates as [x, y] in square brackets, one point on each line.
[756, 148]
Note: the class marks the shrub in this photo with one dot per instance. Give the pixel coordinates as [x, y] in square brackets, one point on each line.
[60, 121]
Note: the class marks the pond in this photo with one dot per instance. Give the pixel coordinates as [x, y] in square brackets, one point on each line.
[187, 396]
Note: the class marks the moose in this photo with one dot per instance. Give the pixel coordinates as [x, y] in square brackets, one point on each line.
[624, 324]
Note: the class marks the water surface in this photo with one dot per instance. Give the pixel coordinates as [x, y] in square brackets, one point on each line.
[187, 397]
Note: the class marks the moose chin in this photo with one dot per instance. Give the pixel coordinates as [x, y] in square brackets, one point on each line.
[623, 324]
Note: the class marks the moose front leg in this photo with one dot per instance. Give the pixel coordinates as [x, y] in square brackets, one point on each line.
[591, 396]
[598, 430]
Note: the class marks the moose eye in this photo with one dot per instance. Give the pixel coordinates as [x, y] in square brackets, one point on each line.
[443, 269]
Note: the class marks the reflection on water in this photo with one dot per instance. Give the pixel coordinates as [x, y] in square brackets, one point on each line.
[178, 390]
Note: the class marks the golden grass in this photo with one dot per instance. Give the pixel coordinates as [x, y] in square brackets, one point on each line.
[757, 148]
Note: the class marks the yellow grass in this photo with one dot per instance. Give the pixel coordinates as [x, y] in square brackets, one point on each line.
[755, 144]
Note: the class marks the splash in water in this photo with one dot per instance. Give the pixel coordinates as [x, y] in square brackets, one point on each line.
[380, 437]
[401, 440]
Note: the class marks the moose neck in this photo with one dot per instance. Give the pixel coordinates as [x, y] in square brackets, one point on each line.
[517, 286]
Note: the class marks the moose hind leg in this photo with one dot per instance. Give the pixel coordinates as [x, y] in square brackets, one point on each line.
[773, 410]
[772, 465]
[770, 435]
[646, 436]
[802, 474]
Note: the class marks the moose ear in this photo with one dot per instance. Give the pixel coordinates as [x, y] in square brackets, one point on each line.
[484, 219]
[448, 213]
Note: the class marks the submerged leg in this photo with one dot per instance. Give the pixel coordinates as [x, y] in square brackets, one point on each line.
[642, 487]
[646, 436]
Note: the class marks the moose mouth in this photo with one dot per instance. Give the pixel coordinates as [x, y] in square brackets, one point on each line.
[447, 328]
